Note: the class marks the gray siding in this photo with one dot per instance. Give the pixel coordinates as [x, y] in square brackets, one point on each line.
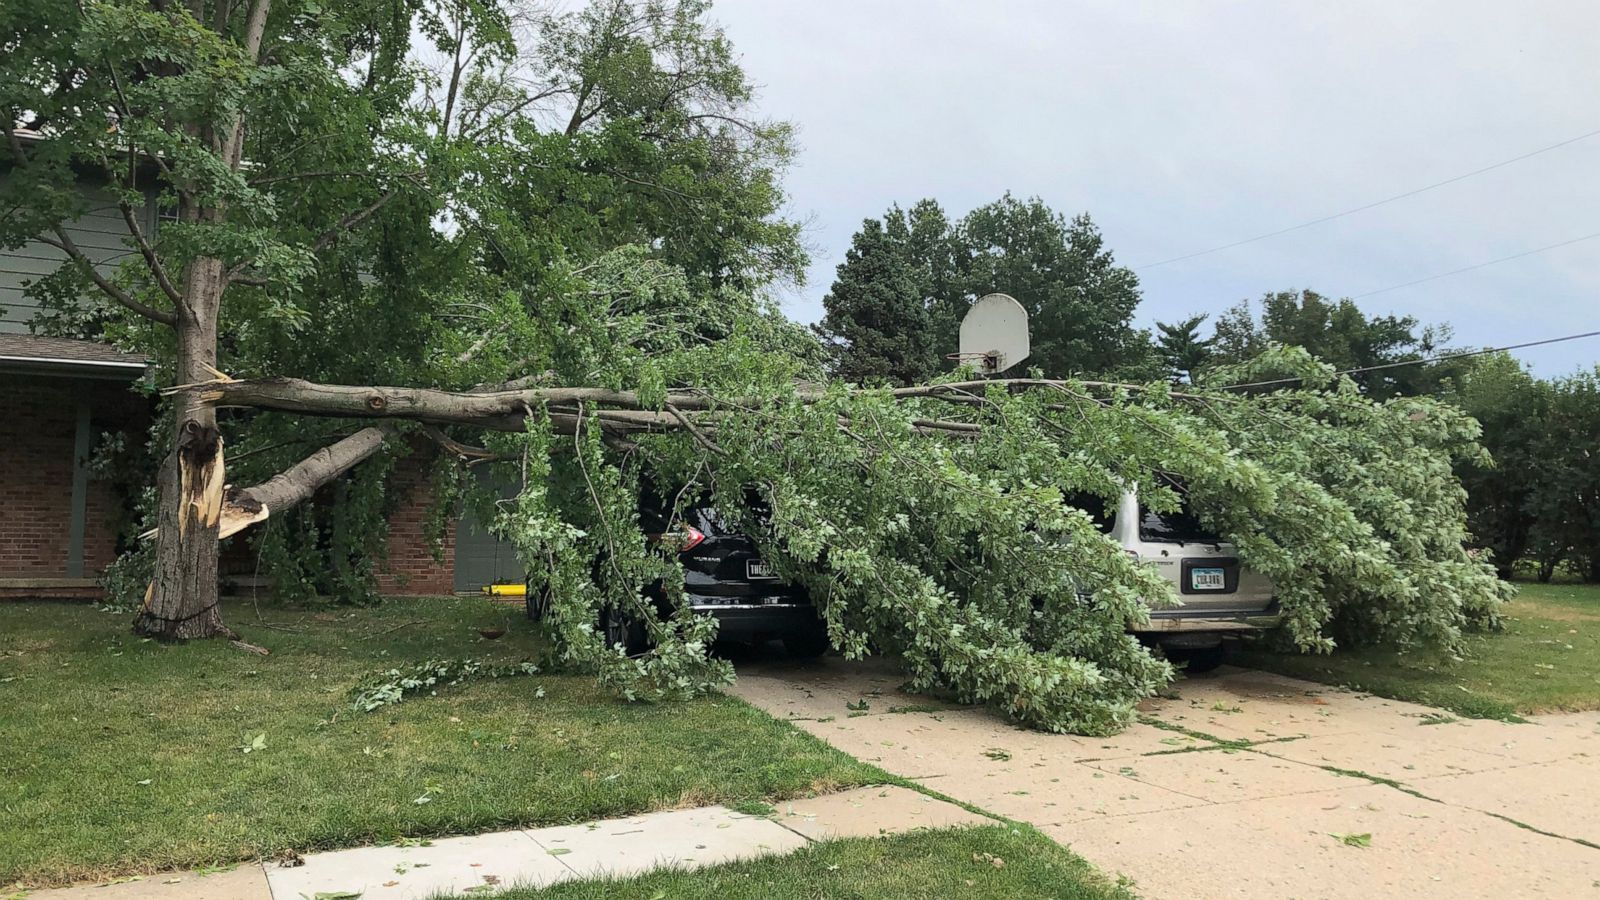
[100, 233]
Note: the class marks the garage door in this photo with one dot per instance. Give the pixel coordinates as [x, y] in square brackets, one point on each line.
[482, 558]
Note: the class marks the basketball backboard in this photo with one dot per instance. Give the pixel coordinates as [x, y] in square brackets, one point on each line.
[994, 334]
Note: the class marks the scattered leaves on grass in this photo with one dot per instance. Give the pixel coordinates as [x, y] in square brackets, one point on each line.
[394, 685]
[255, 745]
[989, 858]
[1353, 840]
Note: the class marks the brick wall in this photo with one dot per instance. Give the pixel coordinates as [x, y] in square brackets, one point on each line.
[38, 421]
[411, 568]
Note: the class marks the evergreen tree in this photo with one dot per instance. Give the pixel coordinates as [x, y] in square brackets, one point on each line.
[1181, 347]
[877, 321]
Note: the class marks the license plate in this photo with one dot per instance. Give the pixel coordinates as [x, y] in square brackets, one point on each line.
[757, 568]
[1208, 580]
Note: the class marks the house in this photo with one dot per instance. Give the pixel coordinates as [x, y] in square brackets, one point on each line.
[60, 523]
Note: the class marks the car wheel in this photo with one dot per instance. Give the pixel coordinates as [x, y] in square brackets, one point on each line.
[807, 645]
[618, 630]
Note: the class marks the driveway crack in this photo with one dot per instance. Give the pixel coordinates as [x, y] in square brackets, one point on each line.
[1404, 788]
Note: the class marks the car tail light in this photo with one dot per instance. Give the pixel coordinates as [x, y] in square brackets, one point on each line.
[692, 538]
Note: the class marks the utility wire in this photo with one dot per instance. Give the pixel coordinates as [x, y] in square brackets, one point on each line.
[1396, 287]
[1372, 205]
[1418, 362]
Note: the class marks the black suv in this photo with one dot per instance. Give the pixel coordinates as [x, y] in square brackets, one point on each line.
[723, 575]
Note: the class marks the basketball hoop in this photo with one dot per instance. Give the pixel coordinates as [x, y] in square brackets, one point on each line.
[986, 362]
[994, 334]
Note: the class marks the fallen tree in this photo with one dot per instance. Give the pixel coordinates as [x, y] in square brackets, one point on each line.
[937, 521]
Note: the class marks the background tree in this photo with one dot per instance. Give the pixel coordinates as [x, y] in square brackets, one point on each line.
[877, 320]
[1181, 347]
[1512, 407]
[1565, 503]
[1080, 303]
[1336, 332]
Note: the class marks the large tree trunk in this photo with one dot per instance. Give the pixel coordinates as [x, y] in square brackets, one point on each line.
[181, 602]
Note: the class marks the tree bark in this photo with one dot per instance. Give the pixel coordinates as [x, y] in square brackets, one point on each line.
[181, 602]
[243, 508]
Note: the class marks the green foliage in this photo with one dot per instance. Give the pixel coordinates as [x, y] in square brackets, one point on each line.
[1080, 302]
[1338, 333]
[1182, 349]
[938, 529]
[385, 206]
[395, 685]
[1566, 503]
[877, 321]
[1540, 500]
[596, 207]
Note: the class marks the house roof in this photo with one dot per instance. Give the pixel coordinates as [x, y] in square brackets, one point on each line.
[68, 356]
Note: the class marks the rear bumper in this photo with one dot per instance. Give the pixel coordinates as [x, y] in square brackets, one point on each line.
[760, 620]
[1169, 621]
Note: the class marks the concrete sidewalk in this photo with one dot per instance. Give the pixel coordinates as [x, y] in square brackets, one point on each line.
[483, 863]
[1245, 784]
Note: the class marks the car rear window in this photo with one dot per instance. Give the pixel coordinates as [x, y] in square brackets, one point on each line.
[1100, 510]
[1176, 527]
[655, 512]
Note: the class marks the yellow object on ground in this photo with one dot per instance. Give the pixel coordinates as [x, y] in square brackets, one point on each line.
[506, 590]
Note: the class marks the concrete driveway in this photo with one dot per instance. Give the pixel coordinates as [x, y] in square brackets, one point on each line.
[1245, 784]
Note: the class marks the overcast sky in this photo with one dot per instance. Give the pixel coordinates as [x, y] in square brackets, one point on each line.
[1185, 125]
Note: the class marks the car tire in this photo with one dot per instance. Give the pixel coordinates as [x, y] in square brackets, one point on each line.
[808, 645]
[618, 630]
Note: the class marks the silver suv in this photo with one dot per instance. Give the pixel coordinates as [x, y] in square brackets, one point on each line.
[1219, 595]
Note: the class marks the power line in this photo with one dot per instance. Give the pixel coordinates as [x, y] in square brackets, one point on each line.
[1423, 361]
[1372, 205]
[1396, 287]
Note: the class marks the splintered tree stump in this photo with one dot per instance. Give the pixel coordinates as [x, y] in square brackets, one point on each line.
[182, 600]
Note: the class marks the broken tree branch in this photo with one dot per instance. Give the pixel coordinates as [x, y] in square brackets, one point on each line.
[243, 508]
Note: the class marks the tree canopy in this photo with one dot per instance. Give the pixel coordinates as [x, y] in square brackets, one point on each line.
[1337, 332]
[1080, 303]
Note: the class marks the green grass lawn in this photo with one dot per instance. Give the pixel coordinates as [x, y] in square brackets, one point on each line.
[121, 756]
[959, 862]
[1546, 660]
